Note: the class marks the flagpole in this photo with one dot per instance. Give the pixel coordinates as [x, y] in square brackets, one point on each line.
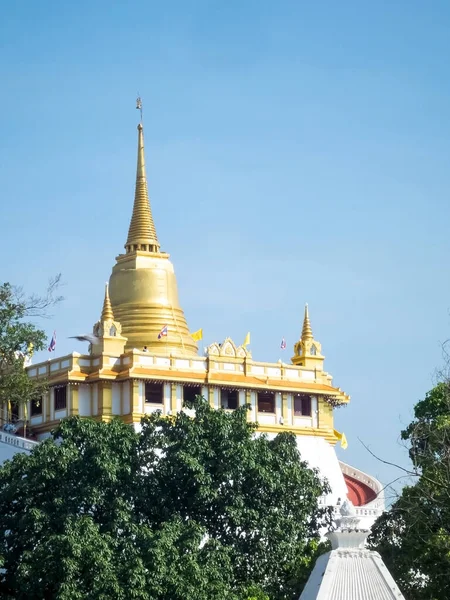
[282, 347]
[178, 330]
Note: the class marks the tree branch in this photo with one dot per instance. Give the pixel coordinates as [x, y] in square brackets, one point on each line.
[37, 306]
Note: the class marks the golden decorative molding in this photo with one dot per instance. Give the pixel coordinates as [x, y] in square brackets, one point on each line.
[227, 349]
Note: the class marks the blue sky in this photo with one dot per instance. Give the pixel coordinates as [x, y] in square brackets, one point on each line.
[296, 152]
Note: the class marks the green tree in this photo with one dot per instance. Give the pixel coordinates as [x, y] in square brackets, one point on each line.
[19, 337]
[191, 507]
[413, 537]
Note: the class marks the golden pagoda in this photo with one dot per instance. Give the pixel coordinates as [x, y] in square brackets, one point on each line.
[143, 286]
[142, 358]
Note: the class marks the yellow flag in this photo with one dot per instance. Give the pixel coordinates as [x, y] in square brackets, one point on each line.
[30, 349]
[342, 438]
[197, 335]
[247, 339]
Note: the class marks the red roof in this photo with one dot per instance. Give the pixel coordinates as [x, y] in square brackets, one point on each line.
[359, 493]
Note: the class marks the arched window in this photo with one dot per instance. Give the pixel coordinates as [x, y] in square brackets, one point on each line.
[313, 350]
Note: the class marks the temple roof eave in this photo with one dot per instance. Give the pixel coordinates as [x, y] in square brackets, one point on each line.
[76, 369]
[212, 379]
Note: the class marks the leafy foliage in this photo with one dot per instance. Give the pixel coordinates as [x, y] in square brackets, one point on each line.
[19, 337]
[192, 507]
[413, 537]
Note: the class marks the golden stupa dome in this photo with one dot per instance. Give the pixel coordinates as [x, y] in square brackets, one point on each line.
[143, 287]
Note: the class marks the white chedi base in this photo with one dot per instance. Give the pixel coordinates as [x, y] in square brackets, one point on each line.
[350, 571]
[351, 574]
[319, 454]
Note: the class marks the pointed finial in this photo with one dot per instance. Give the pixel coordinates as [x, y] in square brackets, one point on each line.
[142, 232]
[307, 333]
[107, 313]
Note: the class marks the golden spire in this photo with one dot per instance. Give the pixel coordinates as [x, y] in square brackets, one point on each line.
[307, 333]
[142, 232]
[107, 312]
[143, 285]
[308, 351]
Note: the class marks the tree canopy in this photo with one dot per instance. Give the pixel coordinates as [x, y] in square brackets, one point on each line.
[413, 537]
[194, 506]
[19, 337]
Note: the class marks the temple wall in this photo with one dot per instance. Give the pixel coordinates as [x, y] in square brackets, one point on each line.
[116, 408]
[84, 400]
[126, 408]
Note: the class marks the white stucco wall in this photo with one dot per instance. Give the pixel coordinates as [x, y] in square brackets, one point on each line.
[319, 454]
[11, 445]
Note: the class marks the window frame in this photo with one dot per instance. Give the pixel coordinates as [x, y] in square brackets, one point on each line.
[303, 399]
[15, 414]
[57, 401]
[39, 408]
[225, 396]
[147, 384]
[190, 388]
[259, 401]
